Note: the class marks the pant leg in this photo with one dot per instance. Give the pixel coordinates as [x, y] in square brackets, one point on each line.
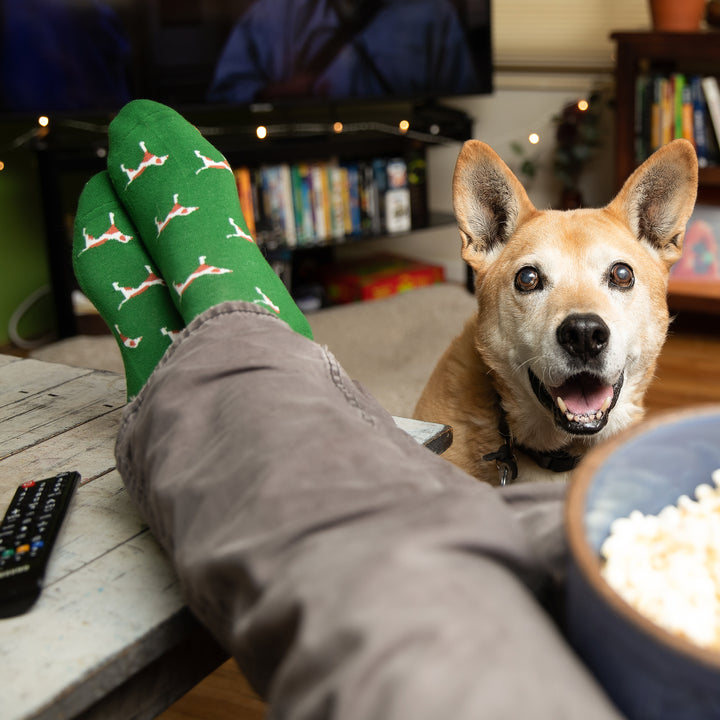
[351, 572]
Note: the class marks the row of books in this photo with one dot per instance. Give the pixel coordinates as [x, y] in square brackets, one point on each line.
[678, 106]
[322, 202]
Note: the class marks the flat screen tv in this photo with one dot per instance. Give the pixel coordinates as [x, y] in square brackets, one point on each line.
[89, 56]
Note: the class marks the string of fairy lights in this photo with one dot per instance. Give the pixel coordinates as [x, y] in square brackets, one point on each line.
[431, 135]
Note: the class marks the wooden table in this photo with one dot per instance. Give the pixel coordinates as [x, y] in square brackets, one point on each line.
[110, 636]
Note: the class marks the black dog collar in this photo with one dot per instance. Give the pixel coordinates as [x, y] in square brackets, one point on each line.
[504, 456]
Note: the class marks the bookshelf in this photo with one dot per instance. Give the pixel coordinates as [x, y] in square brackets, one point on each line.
[665, 53]
[74, 150]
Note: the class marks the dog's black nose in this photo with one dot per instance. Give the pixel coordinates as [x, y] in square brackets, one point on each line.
[583, 336]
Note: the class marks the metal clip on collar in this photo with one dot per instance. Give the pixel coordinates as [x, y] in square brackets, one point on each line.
[506, 464]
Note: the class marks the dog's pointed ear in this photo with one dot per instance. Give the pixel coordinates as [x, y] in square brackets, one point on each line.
[657, 200]
[489, 201]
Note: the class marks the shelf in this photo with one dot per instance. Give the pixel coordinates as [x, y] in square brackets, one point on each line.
[702, 296]
[669, 46]
[436, 220]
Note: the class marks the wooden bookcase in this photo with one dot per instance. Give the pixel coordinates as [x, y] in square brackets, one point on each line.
[666, 52]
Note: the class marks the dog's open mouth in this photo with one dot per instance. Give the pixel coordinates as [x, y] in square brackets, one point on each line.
[582, 404]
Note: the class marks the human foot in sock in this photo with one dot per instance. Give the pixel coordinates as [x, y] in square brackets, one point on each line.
[182, 197]
[118, 276]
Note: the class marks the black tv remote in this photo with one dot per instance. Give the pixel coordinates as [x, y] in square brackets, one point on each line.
[27, 534]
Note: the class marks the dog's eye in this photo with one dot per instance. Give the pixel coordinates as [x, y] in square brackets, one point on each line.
[622, 276]
[528, 279]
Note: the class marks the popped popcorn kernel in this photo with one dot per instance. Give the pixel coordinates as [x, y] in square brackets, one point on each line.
[667, 566]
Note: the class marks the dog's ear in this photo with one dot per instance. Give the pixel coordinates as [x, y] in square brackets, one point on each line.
[489, 201]
[657, 200]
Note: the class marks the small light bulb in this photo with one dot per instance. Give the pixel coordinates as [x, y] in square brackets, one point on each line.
[261, 132]
[583, 105]
[404, 126]
[43, 121]
[338, 127]
[2, 165]
[533, 138]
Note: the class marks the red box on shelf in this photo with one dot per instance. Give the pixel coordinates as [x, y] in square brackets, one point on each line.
[379, 276]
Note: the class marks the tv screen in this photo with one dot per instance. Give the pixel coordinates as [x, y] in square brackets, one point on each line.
[93, 55]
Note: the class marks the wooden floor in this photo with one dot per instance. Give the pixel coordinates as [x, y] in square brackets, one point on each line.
[688, 374]
[224, 695]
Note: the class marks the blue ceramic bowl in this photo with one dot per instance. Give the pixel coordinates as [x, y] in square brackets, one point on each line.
[649, 673]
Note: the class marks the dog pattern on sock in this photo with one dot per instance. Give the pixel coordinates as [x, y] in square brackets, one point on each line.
[177, 210]
[210, 164]
[128, 342]
[265, 300]
[202, 269]
[131, 292]
[149, 160]
[112, 233]
[239, 232]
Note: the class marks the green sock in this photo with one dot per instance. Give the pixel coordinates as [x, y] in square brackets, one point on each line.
[182, 197]
[116, 273]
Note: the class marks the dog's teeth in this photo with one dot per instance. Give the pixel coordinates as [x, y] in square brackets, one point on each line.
[572, 417]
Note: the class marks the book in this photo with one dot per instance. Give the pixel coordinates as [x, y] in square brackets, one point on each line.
[352, 179]
[278, 204]
[244, 183]
[712, 98]
[379, 166]
[700, 128]
[302, 205]
[667, 111]
[682, 108]
[686, 113]
[288, 209]
[337, 202]
[320, 192]
[369, 217]
[397, 197]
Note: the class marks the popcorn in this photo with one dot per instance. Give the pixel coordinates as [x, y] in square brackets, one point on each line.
[667, 566]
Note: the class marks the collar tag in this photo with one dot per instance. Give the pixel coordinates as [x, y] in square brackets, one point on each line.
[506, 464]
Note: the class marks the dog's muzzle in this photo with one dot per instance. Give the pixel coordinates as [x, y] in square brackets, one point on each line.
[582, 404]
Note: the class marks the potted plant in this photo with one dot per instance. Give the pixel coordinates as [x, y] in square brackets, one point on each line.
[677, 15]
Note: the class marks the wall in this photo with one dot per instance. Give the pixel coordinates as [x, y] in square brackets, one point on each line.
[23, 270]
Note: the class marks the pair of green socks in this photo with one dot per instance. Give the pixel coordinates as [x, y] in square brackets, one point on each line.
[160, 238]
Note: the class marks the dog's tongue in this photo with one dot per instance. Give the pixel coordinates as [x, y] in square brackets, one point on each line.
[583, 394]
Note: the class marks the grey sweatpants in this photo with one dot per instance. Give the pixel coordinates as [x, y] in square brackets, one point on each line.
[351, 572]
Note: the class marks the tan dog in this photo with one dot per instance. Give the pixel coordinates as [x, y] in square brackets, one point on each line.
[572, 314]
